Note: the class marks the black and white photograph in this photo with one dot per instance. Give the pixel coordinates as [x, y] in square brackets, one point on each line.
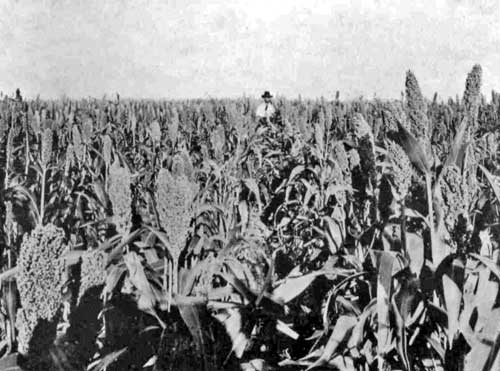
[264, 185]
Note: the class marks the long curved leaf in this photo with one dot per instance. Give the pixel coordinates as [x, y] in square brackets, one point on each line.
[415, 250]
[413, 149]
[453, 280]
[458, 142]
[107, 360]
[342, 329]
[139, 279]
[293, 287]
[490, 264]
[493, 180]
[194, 315]
[384, 286]
[34, 206]
[493, 356]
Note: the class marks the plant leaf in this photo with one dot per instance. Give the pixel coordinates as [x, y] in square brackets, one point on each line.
[490, 264]
[296, 171]
[194, 315]
[293, 287]
[493, 355]
[232, 320]
[166, 243]
[138, 278]
[254, 188]
[401, 342]
[493, 180]
[384, 285]
[358, 331]
[285, 329]
[413, 149]
[106, 361]
[452, 158]
[453, 279]
[150, 362]
[415, 250]
[341, 330]
[113, 277]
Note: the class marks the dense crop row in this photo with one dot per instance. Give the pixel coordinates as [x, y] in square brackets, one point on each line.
[353, 235]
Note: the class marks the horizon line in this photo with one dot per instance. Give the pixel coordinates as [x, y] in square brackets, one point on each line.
[206, 97]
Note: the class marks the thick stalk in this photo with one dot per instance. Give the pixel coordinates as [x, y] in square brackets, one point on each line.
[11, 303]
[166, 279]
[175, 276]
[42, 195]
[403, 228]
[133, 139]
[165, 272]
[26, 166]
[435, 247]
[7, 162]
[170, 278]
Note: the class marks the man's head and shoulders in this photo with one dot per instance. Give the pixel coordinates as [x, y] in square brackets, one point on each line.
[266, 109]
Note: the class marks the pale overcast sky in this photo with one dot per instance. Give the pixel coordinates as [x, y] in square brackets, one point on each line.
[184, 49]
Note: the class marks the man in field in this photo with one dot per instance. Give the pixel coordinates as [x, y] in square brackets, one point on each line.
[19, 98]
[266, 111]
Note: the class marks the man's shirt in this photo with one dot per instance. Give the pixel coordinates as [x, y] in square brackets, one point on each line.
[265, 110]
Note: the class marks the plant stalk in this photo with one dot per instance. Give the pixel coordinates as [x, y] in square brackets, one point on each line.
[175, 275]
[26, 166]
[42, 196]
[435, 247]
[403, 228]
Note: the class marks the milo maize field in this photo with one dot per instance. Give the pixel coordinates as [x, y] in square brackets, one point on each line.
[352, 235]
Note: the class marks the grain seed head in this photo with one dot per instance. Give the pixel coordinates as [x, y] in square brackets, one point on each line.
[107, 145]
[415, 104]
[472, 94]
[93, 271]
[120, 195]
[174, 200]
[78, 147]
[457, 191]
[47, 138]
[401, 168]
[40, 279]
[218, 140]
[87, 130]
[173, 128]
[155, 131]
